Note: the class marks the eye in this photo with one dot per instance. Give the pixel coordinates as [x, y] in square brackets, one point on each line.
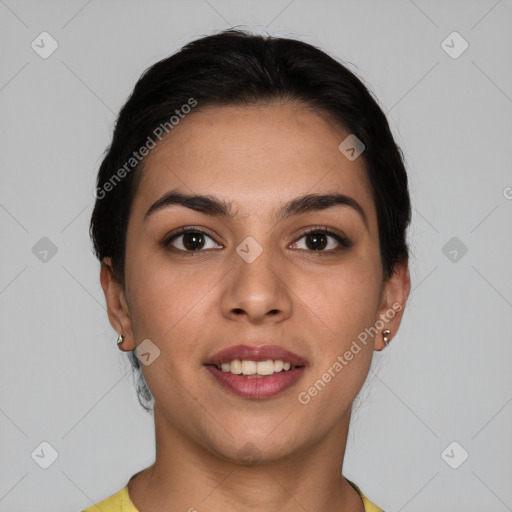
[189, 239]
[317, 239]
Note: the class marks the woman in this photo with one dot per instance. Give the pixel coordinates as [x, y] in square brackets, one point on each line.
[250, 220]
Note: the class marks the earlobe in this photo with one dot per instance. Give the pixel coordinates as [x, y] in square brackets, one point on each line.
[117, 307]
[394, 298]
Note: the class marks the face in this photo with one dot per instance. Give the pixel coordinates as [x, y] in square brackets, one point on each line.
[255, 276]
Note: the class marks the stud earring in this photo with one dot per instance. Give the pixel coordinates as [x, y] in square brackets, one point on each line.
[120, 339]
[385, 334]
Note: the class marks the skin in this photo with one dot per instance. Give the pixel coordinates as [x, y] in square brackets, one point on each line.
[192, 306]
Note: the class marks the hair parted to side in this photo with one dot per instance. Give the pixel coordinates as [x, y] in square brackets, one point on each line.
[235, 67]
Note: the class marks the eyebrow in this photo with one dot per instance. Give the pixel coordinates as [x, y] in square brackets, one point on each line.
[214, 206]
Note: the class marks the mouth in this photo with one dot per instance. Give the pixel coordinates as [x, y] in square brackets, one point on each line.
[256, 371]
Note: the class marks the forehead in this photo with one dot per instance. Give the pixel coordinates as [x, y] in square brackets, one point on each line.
[253, 156]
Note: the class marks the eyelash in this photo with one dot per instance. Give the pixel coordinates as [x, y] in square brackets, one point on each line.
[344, 242]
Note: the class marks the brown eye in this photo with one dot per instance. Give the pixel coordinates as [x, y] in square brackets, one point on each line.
[318, 240]
[190, 240]
[193, 241]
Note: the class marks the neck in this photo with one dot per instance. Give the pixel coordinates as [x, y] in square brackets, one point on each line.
[186, 476]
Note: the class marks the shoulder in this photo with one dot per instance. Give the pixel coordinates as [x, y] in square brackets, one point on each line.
[118, 502]
[368, 505]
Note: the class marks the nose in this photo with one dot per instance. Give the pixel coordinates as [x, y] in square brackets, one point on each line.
[256, 291]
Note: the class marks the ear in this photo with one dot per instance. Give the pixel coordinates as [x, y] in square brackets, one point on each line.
[118, 311]
[394, 296]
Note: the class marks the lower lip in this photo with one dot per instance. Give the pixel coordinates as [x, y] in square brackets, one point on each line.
[257, 387]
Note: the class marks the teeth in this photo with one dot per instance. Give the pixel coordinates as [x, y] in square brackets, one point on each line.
[246, 367]
[249, 367]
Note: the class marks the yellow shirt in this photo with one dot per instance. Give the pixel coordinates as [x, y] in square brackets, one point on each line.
[120, 502]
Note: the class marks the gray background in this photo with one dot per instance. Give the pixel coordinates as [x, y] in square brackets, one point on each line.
[446, 375]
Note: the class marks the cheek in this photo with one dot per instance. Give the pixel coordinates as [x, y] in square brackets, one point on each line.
[344, 308]
[168, 307]
[167, 310]
[343, 302]
[343, 313]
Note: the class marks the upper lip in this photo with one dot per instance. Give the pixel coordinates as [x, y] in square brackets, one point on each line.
[255, 353]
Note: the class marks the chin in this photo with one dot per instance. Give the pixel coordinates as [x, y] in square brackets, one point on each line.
[250, 450]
